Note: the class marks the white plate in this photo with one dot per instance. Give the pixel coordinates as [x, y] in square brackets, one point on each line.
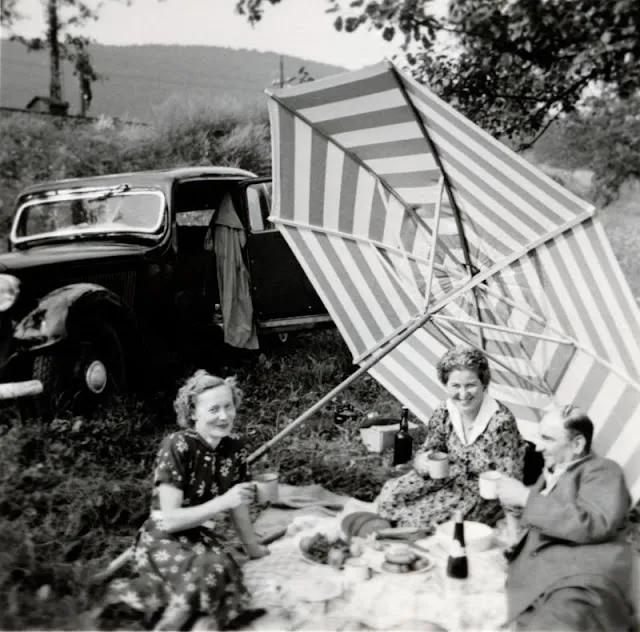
[477, 536]
[316, 589]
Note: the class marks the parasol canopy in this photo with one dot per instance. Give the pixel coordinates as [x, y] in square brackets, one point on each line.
[400, 209]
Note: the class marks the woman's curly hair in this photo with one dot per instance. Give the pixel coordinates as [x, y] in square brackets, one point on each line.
[198, 383]
[461, 358]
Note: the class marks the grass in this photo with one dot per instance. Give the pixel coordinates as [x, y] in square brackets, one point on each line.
[75, 490]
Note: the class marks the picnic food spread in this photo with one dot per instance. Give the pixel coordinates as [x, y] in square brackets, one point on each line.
[403, 560]
[317, 548]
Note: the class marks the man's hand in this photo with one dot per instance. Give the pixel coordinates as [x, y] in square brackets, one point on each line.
[512, 493]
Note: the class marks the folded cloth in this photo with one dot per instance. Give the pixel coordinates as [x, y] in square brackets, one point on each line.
[299, 500]
[298, 496]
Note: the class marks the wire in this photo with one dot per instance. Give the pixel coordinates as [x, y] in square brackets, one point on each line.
[228, 80]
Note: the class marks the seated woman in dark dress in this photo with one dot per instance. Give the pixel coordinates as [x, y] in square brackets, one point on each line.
[183, 569]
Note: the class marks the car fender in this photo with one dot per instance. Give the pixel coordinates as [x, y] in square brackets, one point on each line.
[60, 311]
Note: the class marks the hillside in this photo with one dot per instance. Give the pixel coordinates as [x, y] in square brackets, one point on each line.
[137, 78]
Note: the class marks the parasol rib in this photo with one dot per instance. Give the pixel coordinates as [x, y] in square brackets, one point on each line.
[506, 330]
[451, 330]
[511, 303]
[350, 236]
[447, 185]
[569, 339]
[434, 241]
[390, 190]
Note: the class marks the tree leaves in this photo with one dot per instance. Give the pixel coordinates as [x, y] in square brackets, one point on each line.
[512, 65]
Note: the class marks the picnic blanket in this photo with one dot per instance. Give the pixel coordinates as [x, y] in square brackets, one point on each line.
[382, 602]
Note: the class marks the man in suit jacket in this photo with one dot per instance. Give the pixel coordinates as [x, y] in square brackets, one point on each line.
[570, 569]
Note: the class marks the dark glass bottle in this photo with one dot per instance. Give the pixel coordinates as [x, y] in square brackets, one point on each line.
[457, 564]
[403, 441]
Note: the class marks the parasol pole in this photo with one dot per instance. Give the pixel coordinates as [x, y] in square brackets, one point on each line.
[374, 359]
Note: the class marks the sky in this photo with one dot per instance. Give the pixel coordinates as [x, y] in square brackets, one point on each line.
[294, 27]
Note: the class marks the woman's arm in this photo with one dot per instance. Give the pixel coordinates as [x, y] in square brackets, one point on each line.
[436, 432]
[241, 522]
[177, 518]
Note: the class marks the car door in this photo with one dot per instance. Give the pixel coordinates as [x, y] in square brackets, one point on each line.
[280, 287]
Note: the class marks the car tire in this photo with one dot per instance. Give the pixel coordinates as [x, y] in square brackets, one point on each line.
[83, 372]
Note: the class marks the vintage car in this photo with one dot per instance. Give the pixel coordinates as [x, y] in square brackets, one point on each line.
[105, 275]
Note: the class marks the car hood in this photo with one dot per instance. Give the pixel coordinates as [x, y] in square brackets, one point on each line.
[67, 253]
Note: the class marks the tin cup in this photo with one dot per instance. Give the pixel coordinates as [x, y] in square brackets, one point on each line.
[438, 465]
[356, 570]
[266, 487]
[488, 484]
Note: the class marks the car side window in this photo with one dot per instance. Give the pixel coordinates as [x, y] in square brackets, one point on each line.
[259, 205]
[194, 218]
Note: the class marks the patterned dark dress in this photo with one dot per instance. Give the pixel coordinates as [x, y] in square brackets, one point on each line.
[413, 501]
[189, 568]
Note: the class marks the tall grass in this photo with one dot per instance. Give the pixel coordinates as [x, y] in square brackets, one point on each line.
[221, 131]
[75, 490]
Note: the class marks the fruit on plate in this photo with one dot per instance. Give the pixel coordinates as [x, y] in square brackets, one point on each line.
[337, 556]
[400, 555]
[356, 548]
[317, 548]
[390, 567]
[420, 563]
[399, 559]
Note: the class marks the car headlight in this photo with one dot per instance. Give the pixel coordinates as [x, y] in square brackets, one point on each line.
[9, 291]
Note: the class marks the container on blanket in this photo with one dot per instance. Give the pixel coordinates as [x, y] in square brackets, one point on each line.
[360, 524]
[379, 437]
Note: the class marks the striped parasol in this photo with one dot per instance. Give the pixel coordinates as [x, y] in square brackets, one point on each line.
[420, 231]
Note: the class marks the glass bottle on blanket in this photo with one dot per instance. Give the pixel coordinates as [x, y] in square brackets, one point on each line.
[403, 441]
[457, 564]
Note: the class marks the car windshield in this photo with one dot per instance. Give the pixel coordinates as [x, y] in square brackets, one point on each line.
[94, 213]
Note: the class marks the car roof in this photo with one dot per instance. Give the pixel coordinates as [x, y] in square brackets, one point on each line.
[159, 178]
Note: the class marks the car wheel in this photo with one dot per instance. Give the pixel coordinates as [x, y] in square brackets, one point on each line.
[83, 372]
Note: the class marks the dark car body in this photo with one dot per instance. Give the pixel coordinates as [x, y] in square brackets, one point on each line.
[124, 256]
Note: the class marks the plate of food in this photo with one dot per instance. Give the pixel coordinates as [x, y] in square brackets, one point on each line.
[317, 549]
[401, 559]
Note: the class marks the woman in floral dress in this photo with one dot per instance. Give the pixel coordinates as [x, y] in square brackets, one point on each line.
[183, 570]
[478, 433]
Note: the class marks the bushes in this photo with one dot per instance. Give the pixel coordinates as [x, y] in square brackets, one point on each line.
[602, 138]
[74, 491]
[221, 131]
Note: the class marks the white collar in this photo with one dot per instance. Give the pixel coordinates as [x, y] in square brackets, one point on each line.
[488, 408]
[551, 478]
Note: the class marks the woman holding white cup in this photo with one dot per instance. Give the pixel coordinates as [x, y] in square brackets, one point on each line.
[469, 433]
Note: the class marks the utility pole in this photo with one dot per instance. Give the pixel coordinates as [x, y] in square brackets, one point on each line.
[55, 84]
[281, 71]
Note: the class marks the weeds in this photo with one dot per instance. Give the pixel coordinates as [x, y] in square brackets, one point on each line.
[74, 491]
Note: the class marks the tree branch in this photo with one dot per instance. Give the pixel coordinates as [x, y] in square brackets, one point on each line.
[543, 129]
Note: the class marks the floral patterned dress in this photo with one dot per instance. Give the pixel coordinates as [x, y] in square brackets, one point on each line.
[188, 569]
[413, 501]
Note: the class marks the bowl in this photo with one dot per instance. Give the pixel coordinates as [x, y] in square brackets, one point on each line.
[478, 537]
